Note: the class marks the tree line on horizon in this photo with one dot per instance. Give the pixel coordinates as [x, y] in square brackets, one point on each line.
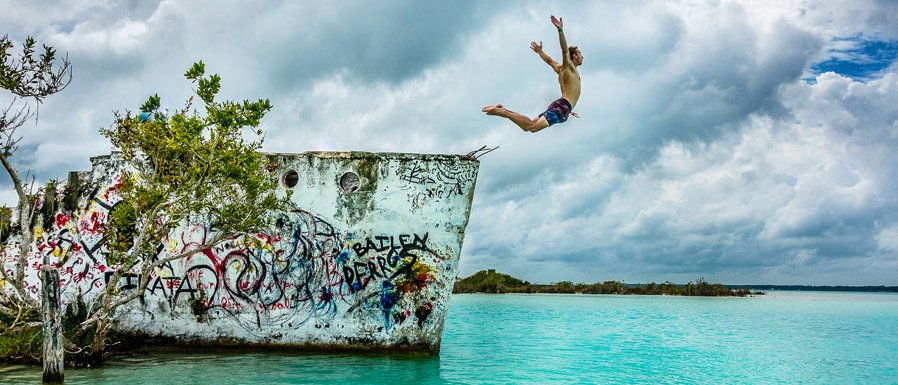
[491, 281]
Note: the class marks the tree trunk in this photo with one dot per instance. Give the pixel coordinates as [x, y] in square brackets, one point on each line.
[24, 208]
[98, 345]
[52, 326]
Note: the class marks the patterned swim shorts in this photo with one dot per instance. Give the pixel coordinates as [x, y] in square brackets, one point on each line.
[558, 111]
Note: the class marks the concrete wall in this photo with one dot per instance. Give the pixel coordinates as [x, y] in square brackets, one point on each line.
[361, 261]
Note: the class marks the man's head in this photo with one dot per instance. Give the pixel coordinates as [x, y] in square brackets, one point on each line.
[576, 55]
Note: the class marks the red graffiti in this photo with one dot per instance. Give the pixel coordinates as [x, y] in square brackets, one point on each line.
[195, 274]
[61, 220]
[280, 305]
[228, 303]
[265, 237]
[117, 184]
[423, 279]
[95, 224]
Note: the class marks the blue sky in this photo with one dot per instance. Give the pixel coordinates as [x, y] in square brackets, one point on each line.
[862, 60]
[739, 141]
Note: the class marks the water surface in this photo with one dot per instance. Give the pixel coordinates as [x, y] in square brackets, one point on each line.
[779, 338]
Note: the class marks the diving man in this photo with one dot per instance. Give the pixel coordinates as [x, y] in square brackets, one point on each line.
[569, 79]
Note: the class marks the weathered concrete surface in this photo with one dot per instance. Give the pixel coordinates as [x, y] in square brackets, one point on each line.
[369, 267]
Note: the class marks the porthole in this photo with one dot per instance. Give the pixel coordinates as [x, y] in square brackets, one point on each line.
[290, 179]
[349, 182]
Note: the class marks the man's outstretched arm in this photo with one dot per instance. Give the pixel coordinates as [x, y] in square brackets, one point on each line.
[538, 48]
[566, 56]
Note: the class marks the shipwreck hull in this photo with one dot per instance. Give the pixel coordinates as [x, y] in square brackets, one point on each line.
[366, 258]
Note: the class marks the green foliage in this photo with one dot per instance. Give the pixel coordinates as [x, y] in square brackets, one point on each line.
[24, 345]
[48, 207]
[565, 285]
[7, 315]
[190, 168]
[182, 168]
[151, 104]
[489, 281]
[20, 346]
[122, 220]
[208, 87]
[5, 224]
[30, 74]
[75, 313]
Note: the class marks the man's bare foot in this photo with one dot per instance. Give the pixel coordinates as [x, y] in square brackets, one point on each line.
[493, 109]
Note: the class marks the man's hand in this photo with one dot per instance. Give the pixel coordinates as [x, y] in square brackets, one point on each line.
[538, 48]
[557, 22]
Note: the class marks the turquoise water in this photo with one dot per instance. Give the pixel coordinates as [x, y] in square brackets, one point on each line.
[779, 338]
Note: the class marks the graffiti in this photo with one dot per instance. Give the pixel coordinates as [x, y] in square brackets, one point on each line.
[304, 271]
[386, 263]
[441, 181]
[397, 268]
[417, 175]
[286, 277]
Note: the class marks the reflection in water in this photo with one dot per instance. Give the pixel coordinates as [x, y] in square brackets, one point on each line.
[251, 368]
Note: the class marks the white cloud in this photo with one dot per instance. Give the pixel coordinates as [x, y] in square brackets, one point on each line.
[888, 239]
[125, 37]
[699, 151]
[771, 192]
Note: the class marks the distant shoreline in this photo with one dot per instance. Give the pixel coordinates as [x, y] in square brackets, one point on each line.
[861, 289]
[490, 281]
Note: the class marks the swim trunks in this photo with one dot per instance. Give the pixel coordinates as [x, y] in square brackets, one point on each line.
[558, 111]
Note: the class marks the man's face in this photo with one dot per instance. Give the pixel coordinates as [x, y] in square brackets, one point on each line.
[577, 57]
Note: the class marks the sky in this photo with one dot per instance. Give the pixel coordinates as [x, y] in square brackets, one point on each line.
[745, 142]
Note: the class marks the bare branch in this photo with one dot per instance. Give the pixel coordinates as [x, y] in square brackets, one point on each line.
[10, 120]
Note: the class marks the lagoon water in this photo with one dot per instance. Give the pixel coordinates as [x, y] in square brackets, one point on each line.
[784, 337]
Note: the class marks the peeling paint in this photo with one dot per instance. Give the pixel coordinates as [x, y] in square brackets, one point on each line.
[368, 269]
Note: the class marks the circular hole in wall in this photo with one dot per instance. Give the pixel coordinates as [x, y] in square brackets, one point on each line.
[349, 182]
[290, 179]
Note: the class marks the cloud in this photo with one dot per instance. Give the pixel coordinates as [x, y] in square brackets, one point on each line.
[707, 145]
[801, 191]
[888, 239]
[762, 174]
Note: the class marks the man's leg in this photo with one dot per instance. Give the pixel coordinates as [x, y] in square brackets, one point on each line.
[524, 122]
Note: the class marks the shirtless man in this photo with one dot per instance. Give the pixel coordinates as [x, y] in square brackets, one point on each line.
[568, 78]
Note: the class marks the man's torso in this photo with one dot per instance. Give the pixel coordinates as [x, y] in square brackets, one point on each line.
[569, 79]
